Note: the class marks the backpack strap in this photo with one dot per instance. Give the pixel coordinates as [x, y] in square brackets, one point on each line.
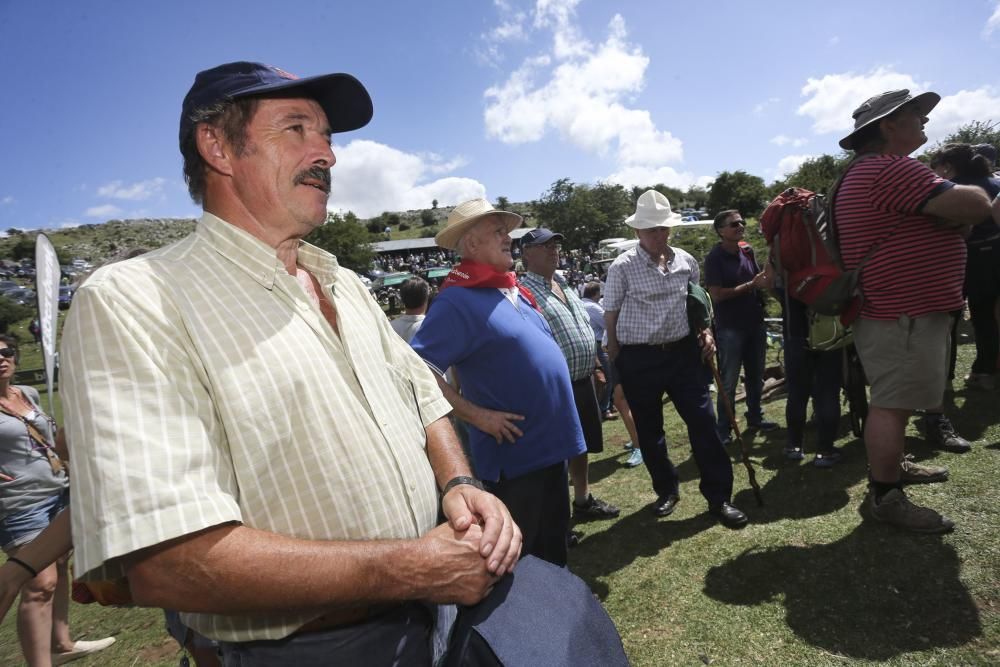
[833, 227]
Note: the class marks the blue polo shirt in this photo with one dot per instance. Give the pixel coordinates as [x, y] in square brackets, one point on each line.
[507, 360]
[723, 269]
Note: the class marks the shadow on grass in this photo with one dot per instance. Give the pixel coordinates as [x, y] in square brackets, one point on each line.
[874, 594]
[976, 414]
[604, 468]
[637, 535]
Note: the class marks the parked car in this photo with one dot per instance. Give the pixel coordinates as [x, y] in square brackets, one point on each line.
[23, 296]
[65, 297]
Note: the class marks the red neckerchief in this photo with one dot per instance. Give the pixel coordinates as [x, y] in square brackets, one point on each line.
[476, 274]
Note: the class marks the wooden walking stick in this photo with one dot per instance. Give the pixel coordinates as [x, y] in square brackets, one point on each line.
[699, 312]
[736, 429]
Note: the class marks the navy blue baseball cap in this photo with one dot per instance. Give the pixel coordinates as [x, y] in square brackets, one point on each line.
[344, 100]
[539, 236]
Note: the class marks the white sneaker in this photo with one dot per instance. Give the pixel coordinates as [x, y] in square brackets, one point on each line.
[82, 649]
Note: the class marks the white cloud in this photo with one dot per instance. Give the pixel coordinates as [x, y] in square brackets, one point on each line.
[103, 211]
[790, 163]
[993, 22]
[834, 97]
[7, 200]
[795, 142]
[650, 176]
[833, 41]
[68, 224]
[582, 92]
[134, 191]
[761, 107]
[370, 178]
[963, 107]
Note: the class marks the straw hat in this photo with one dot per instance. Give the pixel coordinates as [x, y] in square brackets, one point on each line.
[465, 215]
[653, 210]
[876, 108]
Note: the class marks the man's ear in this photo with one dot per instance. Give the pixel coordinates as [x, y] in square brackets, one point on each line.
[213, 148]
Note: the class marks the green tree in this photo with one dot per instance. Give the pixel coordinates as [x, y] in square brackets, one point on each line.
[816, 174]
[346, 238]
[11, 313]
[976, 132]
[740, 190]
[434, 203]
[696, 196]
[427, 218]
[24, 247]
[583, 214]
[503, 204]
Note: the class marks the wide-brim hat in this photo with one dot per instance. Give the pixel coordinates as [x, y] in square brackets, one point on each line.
[653, 210]
[344, 100]
[878, 107]
[465, 215]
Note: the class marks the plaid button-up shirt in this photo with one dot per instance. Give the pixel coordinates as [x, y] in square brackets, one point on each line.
[651, 304]
[569, 322]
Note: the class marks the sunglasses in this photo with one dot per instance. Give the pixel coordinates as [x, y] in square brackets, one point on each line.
[737, 223]
[7, 352]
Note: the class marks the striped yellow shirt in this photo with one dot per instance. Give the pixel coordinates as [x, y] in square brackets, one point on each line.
[202, 386]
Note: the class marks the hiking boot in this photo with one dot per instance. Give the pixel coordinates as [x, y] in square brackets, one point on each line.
[594, 508]
[793, 453]
[939, 432]
[984, 381]
[634, 459]
[896, 509]
[911, 472]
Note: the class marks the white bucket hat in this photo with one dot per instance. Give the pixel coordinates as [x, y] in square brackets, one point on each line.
[653, 210]
[465, 215]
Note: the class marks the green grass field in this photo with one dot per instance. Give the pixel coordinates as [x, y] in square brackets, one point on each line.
[806, 583]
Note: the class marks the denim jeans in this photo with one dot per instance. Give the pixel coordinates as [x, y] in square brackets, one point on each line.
[604, 400]
[740, 349]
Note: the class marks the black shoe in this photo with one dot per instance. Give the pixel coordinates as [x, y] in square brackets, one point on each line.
[764, 426]
[728, 515]
[941, 433]
[665, 505]
[594, 508]
[573, 538]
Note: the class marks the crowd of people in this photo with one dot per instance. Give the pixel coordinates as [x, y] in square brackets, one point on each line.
[256, 447]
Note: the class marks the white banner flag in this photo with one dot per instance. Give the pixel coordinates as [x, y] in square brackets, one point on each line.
[47, 273]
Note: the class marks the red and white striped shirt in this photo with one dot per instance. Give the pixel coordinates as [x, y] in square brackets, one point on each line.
[919, 266]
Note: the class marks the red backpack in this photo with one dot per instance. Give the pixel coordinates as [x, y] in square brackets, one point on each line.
[798, 226]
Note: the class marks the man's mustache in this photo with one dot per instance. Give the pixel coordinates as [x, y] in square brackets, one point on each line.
[316, 175]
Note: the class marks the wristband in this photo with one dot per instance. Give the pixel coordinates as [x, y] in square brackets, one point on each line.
[461, 479]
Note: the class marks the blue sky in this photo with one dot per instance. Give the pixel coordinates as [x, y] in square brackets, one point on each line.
[473, 97]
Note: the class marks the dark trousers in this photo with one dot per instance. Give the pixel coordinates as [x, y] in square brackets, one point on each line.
[400, 637]
[539, 505]
[982, 283]
[818, 375]
[646, 373]
[590, 414]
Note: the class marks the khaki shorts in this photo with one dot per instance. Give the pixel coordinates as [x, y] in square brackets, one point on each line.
[906, 360]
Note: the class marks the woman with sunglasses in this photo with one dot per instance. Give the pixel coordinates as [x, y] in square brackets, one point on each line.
[34, 489]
